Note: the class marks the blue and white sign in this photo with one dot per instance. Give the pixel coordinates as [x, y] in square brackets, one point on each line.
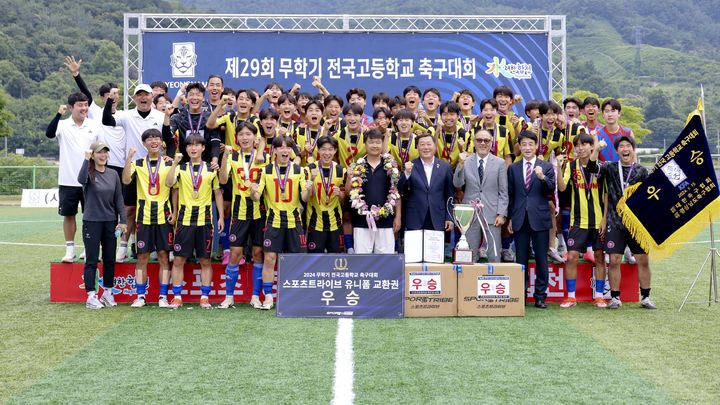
[341, 286]
[376, 62]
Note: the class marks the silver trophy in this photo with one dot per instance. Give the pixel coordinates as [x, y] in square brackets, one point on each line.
[463, 215]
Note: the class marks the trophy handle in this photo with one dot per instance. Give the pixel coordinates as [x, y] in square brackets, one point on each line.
[450, 201]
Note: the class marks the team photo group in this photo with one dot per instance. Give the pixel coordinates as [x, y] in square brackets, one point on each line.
[253, 173]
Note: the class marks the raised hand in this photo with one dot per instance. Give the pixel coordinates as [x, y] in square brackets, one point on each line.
[408, 168]
[88, 154]
[62, 110]
[539, 172]
[178, 158]
[73, 65]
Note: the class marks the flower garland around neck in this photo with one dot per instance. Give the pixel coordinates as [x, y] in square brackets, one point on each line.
[358, 173]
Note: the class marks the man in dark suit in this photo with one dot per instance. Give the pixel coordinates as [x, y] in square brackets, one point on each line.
[427, 184]
[531, 182]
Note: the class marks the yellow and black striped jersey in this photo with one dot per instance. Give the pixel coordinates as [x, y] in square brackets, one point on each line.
[195, 210]
[230, 122]
[403, 150]
[243, 172]
[305, 135]
[550, 140]
[569, 134]
[587, 207]
[153, 203]
[504, 120]
[281, 193]
[448, 145]
[351, 146]
[501, 145]
[324, 211]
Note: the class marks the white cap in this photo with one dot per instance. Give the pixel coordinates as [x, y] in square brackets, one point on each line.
[142, 87]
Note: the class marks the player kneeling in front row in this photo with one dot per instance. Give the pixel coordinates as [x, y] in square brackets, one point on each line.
[282, 184]
[619, 176]
[153, 216]
[244, 168]
[195, 182]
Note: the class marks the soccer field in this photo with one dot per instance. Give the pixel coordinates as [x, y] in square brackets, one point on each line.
[64, 353]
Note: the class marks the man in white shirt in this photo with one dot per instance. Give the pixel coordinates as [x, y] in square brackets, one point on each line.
[74, 134]
[135, 122]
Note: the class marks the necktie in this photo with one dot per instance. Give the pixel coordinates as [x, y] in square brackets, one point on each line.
[481, 171]
[528, 172]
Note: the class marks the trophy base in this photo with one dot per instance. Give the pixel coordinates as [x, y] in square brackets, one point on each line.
[463, 256]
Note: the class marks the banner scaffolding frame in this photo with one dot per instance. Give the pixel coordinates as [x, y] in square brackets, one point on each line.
[136, 24]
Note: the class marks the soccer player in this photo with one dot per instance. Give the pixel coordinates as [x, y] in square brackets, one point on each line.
[228, 123]
[75, 135]
[359, 97]
[450, 137]
[378, 187]
[324, 212]
[103, 193]
[196, 183]
[466, 100]
[611, 111]
[161, 101]
[215, 87]
[248, 217]
[269, 128]
[382, 120]
[135, 122]
[308, 134]
[582, 177]
[402, 144]
[158, 88]
[287, 110]
[396, 104]
[412, 98]
[155, 218]
[380, 100]
[591, 107]
[282, 184]
[333, 109]
[349, 137]
[506, 117]
[619, 176]
[501, 138]
[550, 139]
[192, 120]
[431, 101]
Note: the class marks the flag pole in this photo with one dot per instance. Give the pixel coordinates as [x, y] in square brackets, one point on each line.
[713, 250]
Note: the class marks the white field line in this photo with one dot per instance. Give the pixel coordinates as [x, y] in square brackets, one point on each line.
[344, 363]
[31, 222]
[36, 244]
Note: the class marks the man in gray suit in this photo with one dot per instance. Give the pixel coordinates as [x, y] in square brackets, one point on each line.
[484, 176]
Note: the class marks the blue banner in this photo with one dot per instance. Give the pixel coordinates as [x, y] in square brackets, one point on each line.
[376, 62]
[340, 286]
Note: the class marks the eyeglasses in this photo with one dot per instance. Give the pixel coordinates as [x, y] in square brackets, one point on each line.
[483, 140]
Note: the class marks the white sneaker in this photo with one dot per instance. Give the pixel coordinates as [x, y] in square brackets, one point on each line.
[255, 302]
[614, 303]
[93, 302]
[121, 255]
[163, 302]
[268, 302]
[153, 256]
[82, 256]
[351, 251]
[228, 302]
[647, 303]
[629, 258]
[139, 302]
[69, 255]
[107, 299]
[555, 257]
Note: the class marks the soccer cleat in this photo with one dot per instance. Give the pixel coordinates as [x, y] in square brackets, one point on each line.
[589, 256]
[255, 302]
[569, 302]
[600, 302]
[614, 303]
[153, 256]
[225, 258]
[351, 251]
[176, 303]
[163, 302]
[69, 255]
[554, 256]
[205, 303]
[629, 258]
[647, 303]
[93, 302]
[139, 302]
[228, 302]
[507, 256]
[121, 255]
[268, 302]
[107, 299]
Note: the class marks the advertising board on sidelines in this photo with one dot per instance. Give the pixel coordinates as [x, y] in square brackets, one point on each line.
[340, 286]
[35, 198]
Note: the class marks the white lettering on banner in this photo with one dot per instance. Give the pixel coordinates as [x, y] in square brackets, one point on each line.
[392, 66]
[407, 68]
[364, 65]
[425, 68]
[232, 66]
[426, 282]
[334, 68]
[348, 67]
[493, 287]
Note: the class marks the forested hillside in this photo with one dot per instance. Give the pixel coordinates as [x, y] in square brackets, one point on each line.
[678, 51]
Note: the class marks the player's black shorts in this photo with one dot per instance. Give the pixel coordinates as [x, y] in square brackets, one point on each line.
[192, 237]
[69, 197]
[285, 240]
[579, 239]
[241, 229]
[616, 239]
[320, 241]
[152, 238]
[130, 193]
[565, 198]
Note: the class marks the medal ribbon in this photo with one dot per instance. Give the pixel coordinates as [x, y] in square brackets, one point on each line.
[404, 155]
[195, 130]
[246, 168]
[627, 180]
[196, 178]
[588, 184]
[448, 151]
[153, 175]
[326, 182]
[282, 182]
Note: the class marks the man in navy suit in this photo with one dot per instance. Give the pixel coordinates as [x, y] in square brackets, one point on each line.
[531, 182]
[427, 184]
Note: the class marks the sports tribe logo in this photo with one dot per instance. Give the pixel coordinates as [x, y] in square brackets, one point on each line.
[183, 59]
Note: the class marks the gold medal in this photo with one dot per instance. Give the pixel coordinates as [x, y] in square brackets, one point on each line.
[310, 160]
[195, 194]
[153, 189]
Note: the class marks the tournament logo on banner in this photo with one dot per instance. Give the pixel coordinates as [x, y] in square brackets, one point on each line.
[376, 62]
[340, 285]
[683, 192]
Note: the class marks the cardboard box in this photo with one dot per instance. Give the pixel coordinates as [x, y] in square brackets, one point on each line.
[430, 290]
[491, 290]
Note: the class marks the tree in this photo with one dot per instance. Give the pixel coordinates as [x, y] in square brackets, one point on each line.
[658, 105]
[5, 117]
